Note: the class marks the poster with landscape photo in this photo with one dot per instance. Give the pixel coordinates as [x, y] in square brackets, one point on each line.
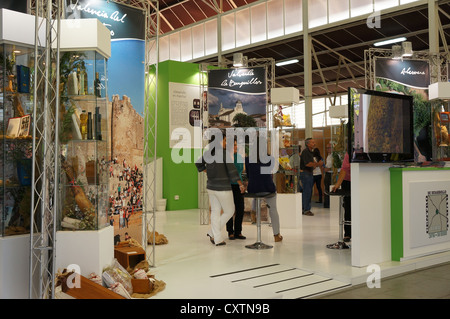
[236, 91]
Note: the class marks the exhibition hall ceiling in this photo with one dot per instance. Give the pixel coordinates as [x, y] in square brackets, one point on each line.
[338, 50]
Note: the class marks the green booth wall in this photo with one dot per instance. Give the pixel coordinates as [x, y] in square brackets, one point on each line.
[178, 178]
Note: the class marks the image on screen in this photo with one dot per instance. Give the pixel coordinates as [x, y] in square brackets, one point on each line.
[382, 126]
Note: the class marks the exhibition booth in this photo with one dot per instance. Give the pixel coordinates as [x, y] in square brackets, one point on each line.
[396, 133]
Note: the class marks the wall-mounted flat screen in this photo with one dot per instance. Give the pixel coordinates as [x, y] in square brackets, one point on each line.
[381, 126]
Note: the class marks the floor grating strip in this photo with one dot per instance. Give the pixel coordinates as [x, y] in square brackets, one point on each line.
[259, 276]
[290, 283]
[241, 271]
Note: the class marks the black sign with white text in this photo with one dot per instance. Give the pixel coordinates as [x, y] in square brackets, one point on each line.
[123, 22]
[413, 73]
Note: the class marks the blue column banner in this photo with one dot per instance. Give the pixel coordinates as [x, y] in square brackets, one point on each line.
[126, 96]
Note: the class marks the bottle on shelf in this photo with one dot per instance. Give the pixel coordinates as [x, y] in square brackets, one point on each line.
[97, 86]
[83, 124]
[72, 83]
[89, 126]
[82, 83]
[79, 84]
[97, 123]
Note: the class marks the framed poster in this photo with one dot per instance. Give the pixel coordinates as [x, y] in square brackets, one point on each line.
[184, 115]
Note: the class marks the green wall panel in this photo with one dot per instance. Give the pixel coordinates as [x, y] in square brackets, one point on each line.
[396, 214]
[178, 179]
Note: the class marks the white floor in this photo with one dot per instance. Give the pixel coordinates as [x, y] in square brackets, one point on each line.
[298, 267]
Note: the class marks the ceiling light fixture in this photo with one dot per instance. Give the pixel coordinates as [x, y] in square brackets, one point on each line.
[396, 52]
[407, 50]
[286, 62]
[238, 59]
[386, 42]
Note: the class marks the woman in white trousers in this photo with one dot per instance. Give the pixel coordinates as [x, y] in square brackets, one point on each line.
[221, 173]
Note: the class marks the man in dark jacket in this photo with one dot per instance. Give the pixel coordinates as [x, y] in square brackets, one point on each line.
[307, 165]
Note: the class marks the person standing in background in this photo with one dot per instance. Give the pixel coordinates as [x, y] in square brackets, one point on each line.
[344, 181]
[259, 182]
[220, 174]
[318, 173]
[307, 165]
[234, 225]
[327, 174]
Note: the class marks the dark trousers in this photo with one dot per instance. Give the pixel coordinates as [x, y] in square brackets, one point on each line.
[318, 182]
[326, 184]
[348, 209]
[238, 213]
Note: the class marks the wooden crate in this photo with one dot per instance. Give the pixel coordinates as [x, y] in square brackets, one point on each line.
[141, 286]
[91, 290]
[129, 256]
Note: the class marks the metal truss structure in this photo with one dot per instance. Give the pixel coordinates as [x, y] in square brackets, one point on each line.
[45, 144]
[150, 125]
[152, 22]
[269, 65]
[45, 149]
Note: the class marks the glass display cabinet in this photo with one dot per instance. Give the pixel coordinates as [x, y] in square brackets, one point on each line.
[85, 46]
[281, 117]
[441, 128]
[289, 162]
[83, 138]
[282, 120]
[439, 97]
[16, 104]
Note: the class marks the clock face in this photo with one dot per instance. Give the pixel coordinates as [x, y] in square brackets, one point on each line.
[437, 214]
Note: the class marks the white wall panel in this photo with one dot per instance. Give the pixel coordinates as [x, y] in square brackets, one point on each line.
[384, 4]
[360, 7]
[275, 19]
[258, 27]
[318, 10]
[407, 1]
[198, 41]
[152, 56]
[211, 37]
[242, 27]
[293, 16]
[338, 10]
[164, 49]
[186, 44]
[175, 46]
[228, 32]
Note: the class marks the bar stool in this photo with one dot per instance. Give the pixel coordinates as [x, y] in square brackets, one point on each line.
[340, 244]
[258, 197]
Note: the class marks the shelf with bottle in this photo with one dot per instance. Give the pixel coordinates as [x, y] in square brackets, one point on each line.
[83, 73]
[16, 155]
